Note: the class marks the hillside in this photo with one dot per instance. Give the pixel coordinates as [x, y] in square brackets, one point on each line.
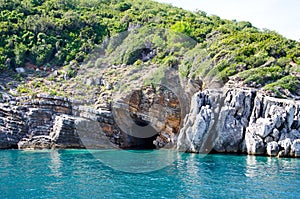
[53, 40]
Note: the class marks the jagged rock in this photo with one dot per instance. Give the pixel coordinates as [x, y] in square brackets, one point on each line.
[195, 134]
[275, 134]
[286, 146]
[268, 116]
[254, 144]
[237, 120]
[268, 139]
[159, 110]
[295, 148]
[263, 127]
[63, 134]
[233, 119]
[12, 126]
[293, 134]
[272, 148]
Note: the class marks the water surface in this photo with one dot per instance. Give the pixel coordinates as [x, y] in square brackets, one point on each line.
[84, 174]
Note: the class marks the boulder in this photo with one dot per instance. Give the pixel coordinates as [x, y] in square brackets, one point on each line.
[20, 70]
[272, 148]
[254, 144]
[286, 146]
[295, 148]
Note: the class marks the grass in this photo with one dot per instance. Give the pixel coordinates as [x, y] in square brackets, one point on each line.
[288, 82]
[262, 75]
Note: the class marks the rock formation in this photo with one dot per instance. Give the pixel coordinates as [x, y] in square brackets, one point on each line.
[243, 121]
[231, 120]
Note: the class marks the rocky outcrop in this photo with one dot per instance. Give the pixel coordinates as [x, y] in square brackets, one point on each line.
[57, 122]
[232, 120]
[54, 122]
[243, 121]
[197, 131]
[158, 110]
[12, 126]
[273, 127]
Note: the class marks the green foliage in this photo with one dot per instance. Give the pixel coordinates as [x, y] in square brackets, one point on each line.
[263, 75]
[123, 6]
[61, 32]
[22, 89]
[71, 72]
[170, 61]
[290, 83]
[182, 27]
[53, 92]
[156, 78]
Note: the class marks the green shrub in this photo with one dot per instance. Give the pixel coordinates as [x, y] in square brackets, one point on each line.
[22, 89]
[290, 83]
[170, 61]
[262, 75]
[182, 27]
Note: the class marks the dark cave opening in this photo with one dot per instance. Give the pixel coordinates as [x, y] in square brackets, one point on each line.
[143, 133]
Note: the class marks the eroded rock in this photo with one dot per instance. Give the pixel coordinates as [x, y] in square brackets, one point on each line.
[272, 148]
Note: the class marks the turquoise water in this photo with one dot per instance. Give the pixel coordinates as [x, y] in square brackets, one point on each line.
[89, 174]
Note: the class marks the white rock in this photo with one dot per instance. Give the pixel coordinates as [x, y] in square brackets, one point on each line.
[20, 70]
[295, 148]
[286, 145]
[272, 148]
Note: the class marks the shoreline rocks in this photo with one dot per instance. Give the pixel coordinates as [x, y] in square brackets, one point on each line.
[231, 120]
[246, 122]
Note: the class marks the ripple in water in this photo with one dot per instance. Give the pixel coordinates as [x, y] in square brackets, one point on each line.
[82, 174]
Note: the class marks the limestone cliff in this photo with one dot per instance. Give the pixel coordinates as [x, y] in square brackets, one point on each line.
[231, 120]
[241, 120]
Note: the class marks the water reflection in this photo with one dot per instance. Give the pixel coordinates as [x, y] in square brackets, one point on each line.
[55, 163]
[139, 161]
[257, 166]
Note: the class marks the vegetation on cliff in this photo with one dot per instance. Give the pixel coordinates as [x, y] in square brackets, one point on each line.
[60, 34]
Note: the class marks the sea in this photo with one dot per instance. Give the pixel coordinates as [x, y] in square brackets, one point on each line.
[113, 173]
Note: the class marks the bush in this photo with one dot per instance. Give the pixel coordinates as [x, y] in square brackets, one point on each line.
[22, 89]
[182, 27]
[290, 83]
[171, 61]
[263, 75]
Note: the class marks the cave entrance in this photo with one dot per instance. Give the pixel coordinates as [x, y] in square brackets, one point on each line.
[156, 113]
[144, 133]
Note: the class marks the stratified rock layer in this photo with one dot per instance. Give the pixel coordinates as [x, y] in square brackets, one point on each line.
[54, 122]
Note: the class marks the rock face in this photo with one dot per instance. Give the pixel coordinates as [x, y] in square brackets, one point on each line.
[197, 131]
[274, 125]
[158, 111]
[55, 122]
[243, 121]
[231, 120]
[12, 126]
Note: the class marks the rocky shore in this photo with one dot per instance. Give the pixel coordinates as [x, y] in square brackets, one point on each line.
[241, 121]
[234, 120]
